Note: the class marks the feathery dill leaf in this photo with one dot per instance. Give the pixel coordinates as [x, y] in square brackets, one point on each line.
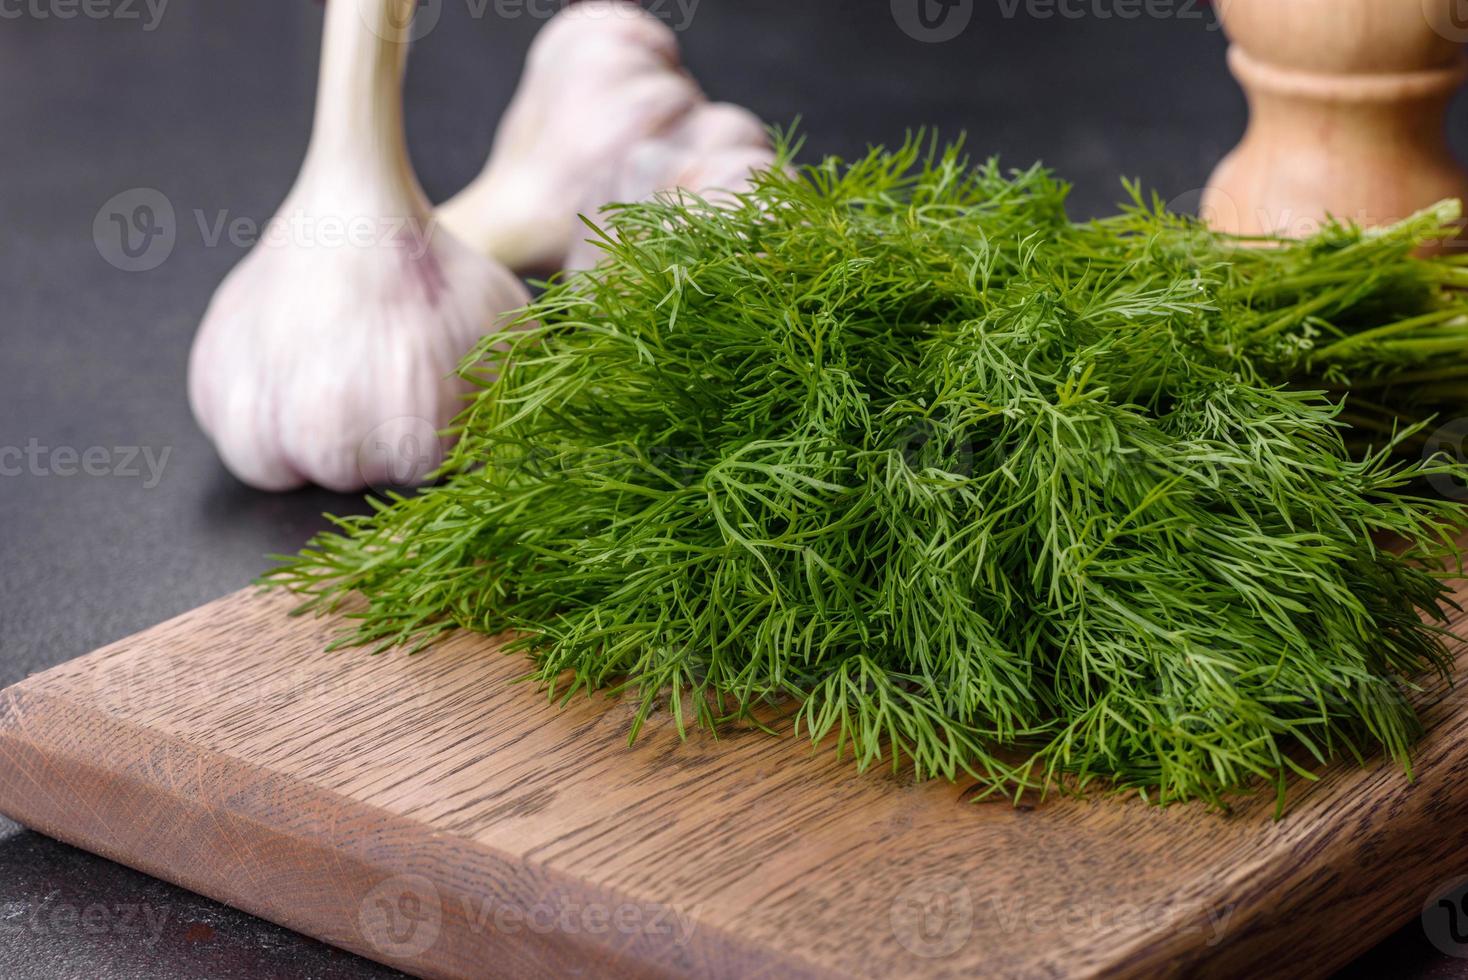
[978, 489]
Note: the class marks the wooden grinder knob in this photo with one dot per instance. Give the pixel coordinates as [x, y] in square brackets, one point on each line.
[1346, 106]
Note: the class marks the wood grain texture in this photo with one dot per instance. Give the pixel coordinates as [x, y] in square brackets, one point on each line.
[429, 813]
[1347, 102]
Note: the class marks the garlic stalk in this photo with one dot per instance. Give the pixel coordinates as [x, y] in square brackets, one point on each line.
[603, 107]
[328, 354]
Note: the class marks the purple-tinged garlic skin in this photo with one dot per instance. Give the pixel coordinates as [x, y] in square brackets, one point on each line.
[306, 352]
[329, 354]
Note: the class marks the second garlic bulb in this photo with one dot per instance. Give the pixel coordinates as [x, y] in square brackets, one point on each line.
[604, 112]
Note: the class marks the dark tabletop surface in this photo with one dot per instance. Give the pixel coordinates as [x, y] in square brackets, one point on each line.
[210, 103]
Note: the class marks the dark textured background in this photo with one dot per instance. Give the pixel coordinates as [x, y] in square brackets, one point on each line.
[211, 107]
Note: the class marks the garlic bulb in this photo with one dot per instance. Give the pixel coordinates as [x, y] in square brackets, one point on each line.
[711, 151]
[603, 105]
[328, 354]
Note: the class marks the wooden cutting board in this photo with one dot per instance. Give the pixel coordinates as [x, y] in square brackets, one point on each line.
[428, 813]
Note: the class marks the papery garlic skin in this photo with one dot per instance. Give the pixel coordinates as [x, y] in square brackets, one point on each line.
[601, 77]
[712, 152]
[341, 331]
[306, 352]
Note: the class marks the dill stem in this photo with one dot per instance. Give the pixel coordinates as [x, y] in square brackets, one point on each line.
[1355, 340]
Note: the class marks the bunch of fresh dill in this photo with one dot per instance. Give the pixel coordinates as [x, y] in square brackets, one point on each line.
[973, 487]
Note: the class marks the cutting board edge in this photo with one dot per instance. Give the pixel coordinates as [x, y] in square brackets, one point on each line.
[1264, 938]
[30, 751]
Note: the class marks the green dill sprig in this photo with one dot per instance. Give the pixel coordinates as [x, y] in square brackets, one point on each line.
[963, 484]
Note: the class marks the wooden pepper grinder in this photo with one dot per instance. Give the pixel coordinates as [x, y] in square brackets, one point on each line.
[1346, 106]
